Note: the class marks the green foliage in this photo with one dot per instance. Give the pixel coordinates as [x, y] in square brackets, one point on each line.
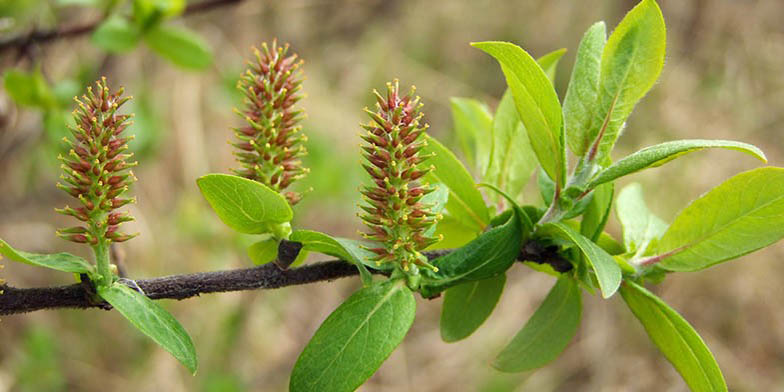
[152, 320]
[352, 251]
[264, 251]
[743, 214]
[355, 339]
[58, 261]
[676, 339]
[660, 154]
[244, 205]
[640, 225]
[488, 255]
[180, 46]
[468, 305]
[537, 105]
[547, 332]
[116, 34]
[608, 274]
[631, 62]
[473, 126]
[549, 63]
[465, 202]
[597, 212]
[28, 88]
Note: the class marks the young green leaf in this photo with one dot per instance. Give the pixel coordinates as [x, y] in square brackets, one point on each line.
[465, 202]
[468, 305]
[152, 320]
[352, 251]
[264, 251]
[660, 154]
[513, 160]
[608, 274]
[549, 63]
[597, 212]
[244, 205]
[473, 125]
[29, 89]
[488, 255]
[547, 332]
[537, 103]
[743, 214]
[581, 96]
[456, 233]
[355, 339]
[182, 47]
[65, 262]
[640, 225]
[676, 339]
[631, 62]
[116, 34]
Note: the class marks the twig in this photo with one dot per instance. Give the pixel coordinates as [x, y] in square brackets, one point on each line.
[25, 41]
[270, 276]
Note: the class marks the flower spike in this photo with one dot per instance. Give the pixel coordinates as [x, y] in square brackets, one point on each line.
[394, 214]
[270, 146]
[96, 171]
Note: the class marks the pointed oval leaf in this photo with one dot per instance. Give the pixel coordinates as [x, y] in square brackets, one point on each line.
[355, 339]
[743, 214]
[549, 63]
[488, 255]
[465, 202]
[631, 62]
[244, 205]
[473, 123]
[116, 34]
[152, 320]
[264, 251]
[660, 154]
[580, 101]
[598, 211]
[547, 332]
[640, 225]
[676, 339]
[65, 262]
[468, 305]
[608, 274]
[352, 251]
[537, 103]
[180, 46]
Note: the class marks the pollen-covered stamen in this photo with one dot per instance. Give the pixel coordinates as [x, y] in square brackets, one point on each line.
[96, 171]
[395, 217]
[269, 149]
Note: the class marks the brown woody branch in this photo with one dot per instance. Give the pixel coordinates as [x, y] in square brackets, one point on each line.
[270, 276]
[35, 37]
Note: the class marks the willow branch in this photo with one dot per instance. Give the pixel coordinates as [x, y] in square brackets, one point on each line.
[270, 276]
[64, 32]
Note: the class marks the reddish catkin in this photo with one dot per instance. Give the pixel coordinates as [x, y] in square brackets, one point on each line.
[97, 167]
[270, 146]
[394, 213]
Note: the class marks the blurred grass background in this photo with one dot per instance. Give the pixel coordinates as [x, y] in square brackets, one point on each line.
[724, 78]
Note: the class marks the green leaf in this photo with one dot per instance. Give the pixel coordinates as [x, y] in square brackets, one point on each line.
[597, 212]
[549, 63]
[743, 214]
[182, 47]
[640, 225]
[547, 332]
[473, 125]
[244, 205]
[468, 305]
[435, 202]
[65, 262]
[631, 62]
[149, 12]
[488, 255]
[660, 154]
[116, 34]
[581, 96]
[355, 339]
[264, 251]
[456, 233]
[465, 202]
[513, 160]
[537, 104]
[676, 339]
[152, 320]
[352, 251]
[29, 89]
[608, 274]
